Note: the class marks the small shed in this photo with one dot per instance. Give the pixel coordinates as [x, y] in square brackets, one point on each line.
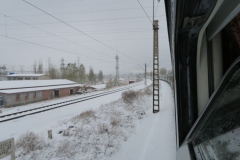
[131, 81]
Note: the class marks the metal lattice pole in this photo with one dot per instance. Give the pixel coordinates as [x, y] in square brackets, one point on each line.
[156, 104]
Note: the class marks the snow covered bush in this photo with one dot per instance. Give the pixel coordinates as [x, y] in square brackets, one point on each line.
[84, 116]
[65, 149]
[130, 96]
[29, 142]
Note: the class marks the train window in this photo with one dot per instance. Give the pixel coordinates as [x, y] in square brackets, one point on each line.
[231, 42]
[217, 134]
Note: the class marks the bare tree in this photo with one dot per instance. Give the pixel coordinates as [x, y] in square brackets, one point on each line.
[35, 67]
[163, 71]
[40, 67]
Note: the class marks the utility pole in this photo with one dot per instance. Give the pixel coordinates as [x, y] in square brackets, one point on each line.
[117, 71]
[145, 74]
[156, 104]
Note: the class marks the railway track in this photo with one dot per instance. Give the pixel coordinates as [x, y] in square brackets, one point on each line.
[20, 114]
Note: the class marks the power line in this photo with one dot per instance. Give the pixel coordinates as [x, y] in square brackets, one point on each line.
[157, 8]
[17, 26]
[64, 6]
[60, 49]
[92, 20]
[92, 33]
[145, 12]
[78, 30]
[53, 34]
[50, 47]
[30, 15]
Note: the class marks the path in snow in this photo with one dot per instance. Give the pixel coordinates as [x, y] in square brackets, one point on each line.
[155, 135]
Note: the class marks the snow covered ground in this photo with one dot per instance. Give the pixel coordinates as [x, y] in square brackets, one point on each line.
[141, 135]
[154, 138]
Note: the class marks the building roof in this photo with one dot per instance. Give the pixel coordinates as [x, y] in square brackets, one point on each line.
[100, 86]
[25, 75]
[38, 89]
[19, 84]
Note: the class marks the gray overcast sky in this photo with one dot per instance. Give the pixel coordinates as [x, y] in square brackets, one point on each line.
[122, 25]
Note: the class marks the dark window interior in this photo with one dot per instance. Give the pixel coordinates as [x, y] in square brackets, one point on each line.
[231, 42]
[56, 93]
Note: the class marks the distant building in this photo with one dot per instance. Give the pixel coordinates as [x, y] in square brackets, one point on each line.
[131, 81]
[3, 78]
[27, 77]
[18, 92]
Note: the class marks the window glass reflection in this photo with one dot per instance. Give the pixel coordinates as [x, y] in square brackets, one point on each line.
[219, 138]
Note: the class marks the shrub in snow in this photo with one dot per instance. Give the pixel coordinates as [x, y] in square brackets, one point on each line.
[84, 116]
[148, 91]
[29, 142]
[65, 149]
[66, 133]
[114, 122]
[102, 128]
[130, 96]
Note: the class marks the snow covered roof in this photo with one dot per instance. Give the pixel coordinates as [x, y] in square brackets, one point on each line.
[25, 75]
[37, 89]
[100, 86]
[17, 84]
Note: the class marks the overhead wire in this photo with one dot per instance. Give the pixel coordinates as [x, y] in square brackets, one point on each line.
[92, 33]
[61, 50]
[51, 47]
[145, 12]
[16, 25]
[156, 8]
[81, 12]
[52, 34]
[79, 31]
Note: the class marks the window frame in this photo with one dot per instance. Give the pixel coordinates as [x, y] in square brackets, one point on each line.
[208, 110]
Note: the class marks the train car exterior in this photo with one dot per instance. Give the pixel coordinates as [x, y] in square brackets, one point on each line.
[204, 37]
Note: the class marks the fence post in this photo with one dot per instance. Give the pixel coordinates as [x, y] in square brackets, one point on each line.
[50, 134]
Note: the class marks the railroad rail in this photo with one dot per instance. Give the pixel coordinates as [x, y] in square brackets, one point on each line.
[21, 114]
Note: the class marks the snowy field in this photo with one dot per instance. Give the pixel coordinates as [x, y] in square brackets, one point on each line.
[108, 128]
